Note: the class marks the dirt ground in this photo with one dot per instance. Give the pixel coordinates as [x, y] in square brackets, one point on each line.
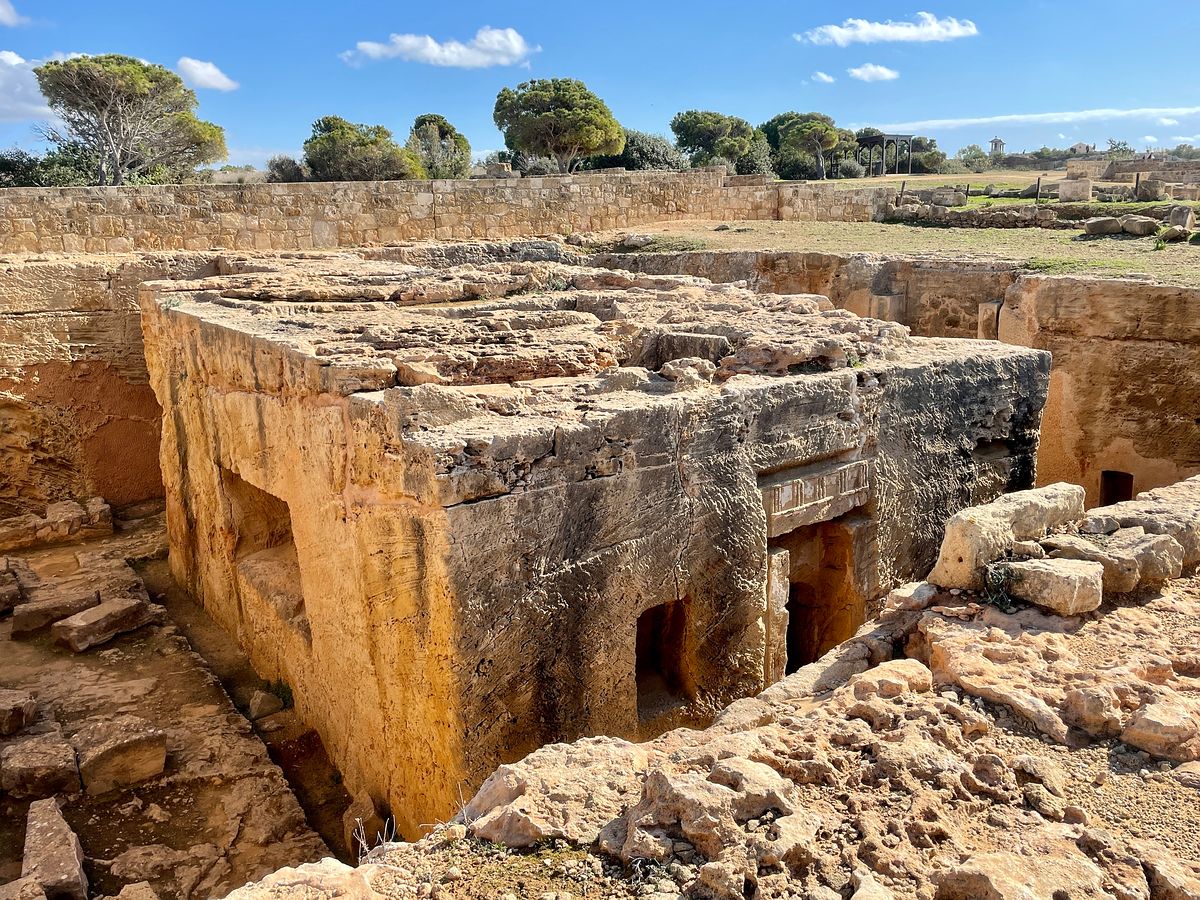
[1051, 251]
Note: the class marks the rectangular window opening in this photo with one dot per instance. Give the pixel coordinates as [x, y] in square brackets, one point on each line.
[662, 680]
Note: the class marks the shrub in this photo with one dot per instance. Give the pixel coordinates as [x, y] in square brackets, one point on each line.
[643, 152]
[756, 160]
[285, 170]
[851, 168]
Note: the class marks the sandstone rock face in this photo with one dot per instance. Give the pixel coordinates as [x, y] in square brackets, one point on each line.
[1065, 586]
[77, 416]
[982, 534]
[119, 752]
[22, 889]
[327, 878]
[53, 857]
[543, 476]
[1093, 421]
[864, 775]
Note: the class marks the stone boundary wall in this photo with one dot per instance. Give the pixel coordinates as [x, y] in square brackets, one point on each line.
[1186, 171]
[1087, 168]
[350, 214]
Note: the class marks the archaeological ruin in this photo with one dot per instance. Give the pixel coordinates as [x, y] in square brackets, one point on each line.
[466, 531]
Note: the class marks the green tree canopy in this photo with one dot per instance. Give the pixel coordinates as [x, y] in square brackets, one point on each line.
[757, 160]
[1119, 149]
[774, 127]
[343, 151]
[136, 118]
[811, 136]
[442, 150]
[557, 117]
[706, 134]
[973, 157]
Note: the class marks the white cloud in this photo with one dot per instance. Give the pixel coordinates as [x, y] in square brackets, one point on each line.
[489, 47]
[20, 98]
[9, 15]
[1050, 118]
[1168, 121]
[1186, 139]
[927, 27]
[823, 78]
[199, 73]
[1149, 138]
[872, 72]
[1061, 136]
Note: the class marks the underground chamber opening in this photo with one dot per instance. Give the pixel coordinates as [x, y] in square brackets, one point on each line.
[265, 551]
[663, 684]
[825, 565]
[1115, 487]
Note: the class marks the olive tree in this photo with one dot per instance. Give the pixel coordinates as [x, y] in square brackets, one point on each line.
[559, 118]
[135, 118]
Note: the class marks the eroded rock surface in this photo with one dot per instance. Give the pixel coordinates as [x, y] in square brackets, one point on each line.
[415, 467]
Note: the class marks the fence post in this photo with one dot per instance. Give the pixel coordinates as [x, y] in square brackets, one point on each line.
[1037, 197]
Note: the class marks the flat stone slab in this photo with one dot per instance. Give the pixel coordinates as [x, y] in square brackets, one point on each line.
[37, 614]
[1064, 586]
[53, 856]
[17, 709]
[39, 767]
[102, 623]
[119, 752]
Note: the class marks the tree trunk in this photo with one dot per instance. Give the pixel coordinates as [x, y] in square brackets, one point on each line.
[820, 164]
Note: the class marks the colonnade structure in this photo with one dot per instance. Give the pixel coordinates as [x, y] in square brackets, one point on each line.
[867, 146]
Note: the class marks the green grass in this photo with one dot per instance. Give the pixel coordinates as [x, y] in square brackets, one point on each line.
[1058, 265]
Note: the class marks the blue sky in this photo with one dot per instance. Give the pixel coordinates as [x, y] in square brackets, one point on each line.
[1064, 72]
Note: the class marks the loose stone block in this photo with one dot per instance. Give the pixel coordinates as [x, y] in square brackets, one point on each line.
[39, 767]
[35, 615]
[22, 889]
[982, 534]
[17, 709]
[1074, 190]
[102, 623]
[119, 752]
[53, 856]
[263, 704]
[1102, 225]
[1064, 586]
[1139, 226]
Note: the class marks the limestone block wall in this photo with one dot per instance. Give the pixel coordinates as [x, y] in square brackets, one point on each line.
[1124, 385]
[77, 416]
[329, 215]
